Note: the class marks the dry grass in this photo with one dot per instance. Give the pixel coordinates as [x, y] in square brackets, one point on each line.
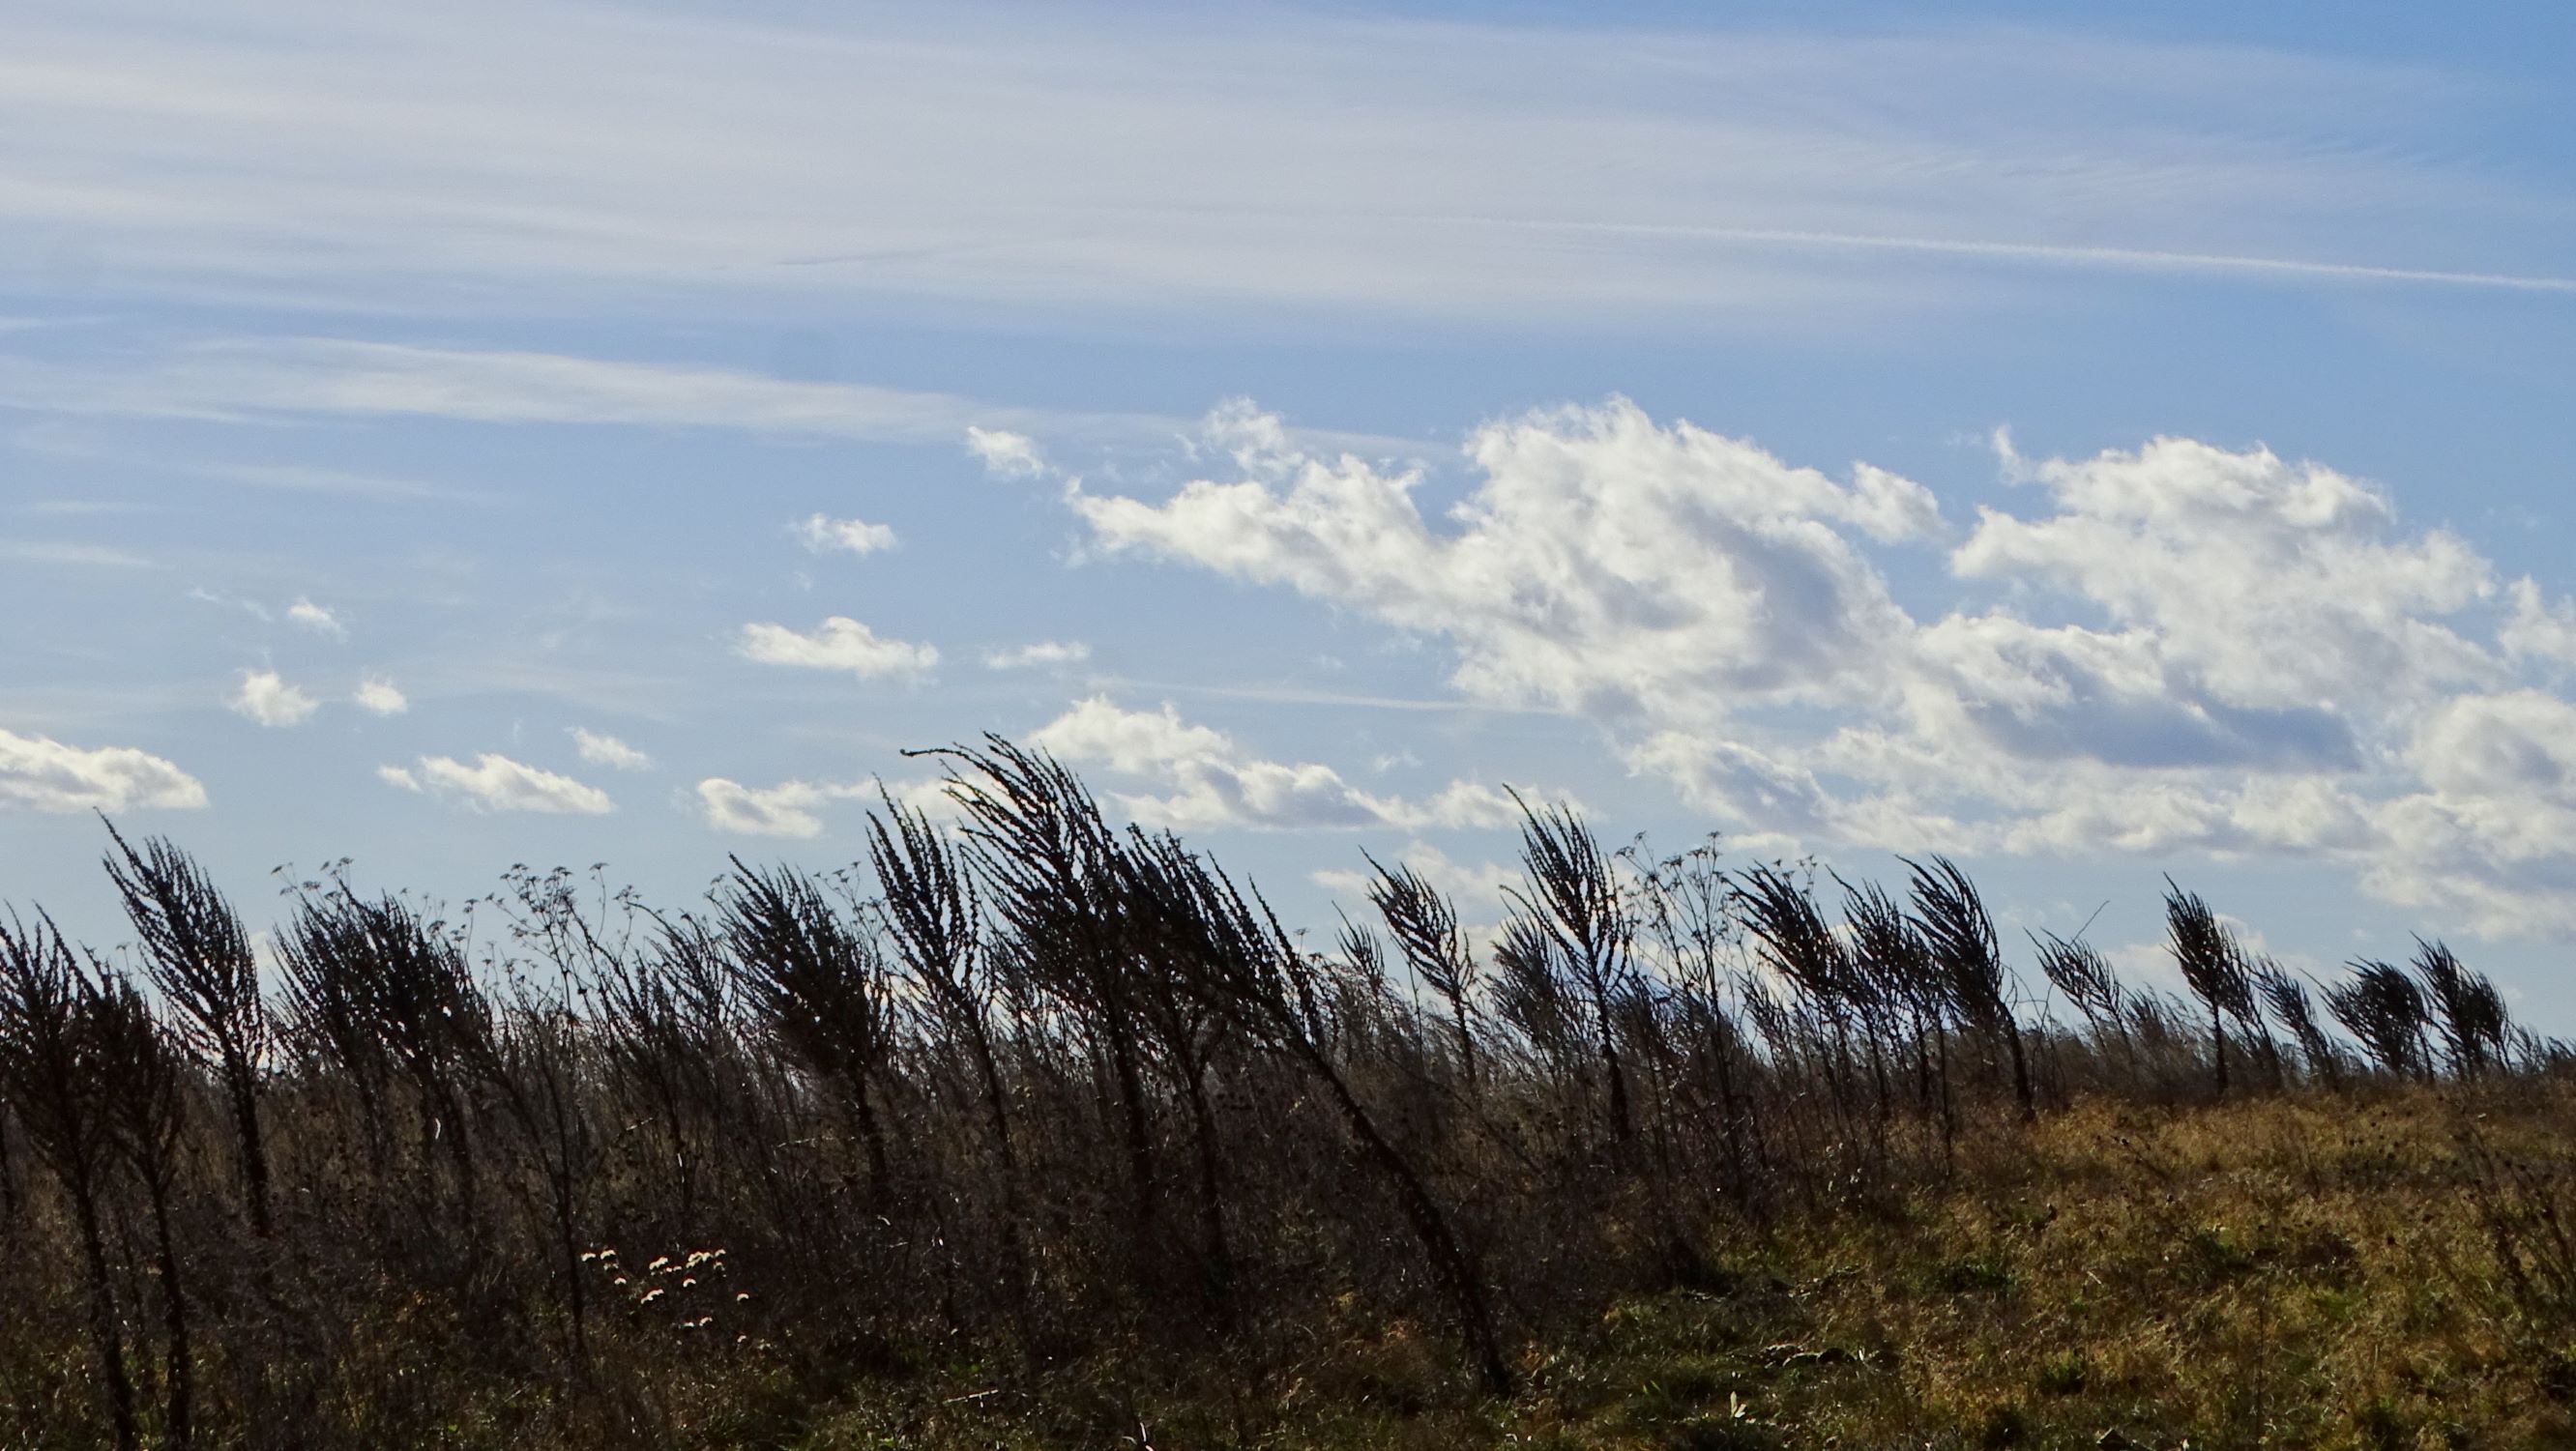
[2270, 1273]
[1037, 1131]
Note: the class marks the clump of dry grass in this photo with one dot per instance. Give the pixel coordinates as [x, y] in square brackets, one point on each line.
[1045, 1131]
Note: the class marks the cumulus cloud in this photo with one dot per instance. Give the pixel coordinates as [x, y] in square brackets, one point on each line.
[2540, 629]
[786, 809]
[38, 773]
[854, 536]
[1209, 780]
[793, 808]
[1006, 454]
[2184, 546]
[609, 751]
[1477, 888]
[2493, 823]
[1603, 565]
[839, 643]
[1043, 655]
[2180, 647]
[497, 783]
[265, 697]
[380, 696]
[318, 618]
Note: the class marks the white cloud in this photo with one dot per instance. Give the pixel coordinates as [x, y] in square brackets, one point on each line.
[2184, 544]
[381, 696]
[252, 608]
[2539, 628]
[72, 555]
[2509, 763]
[839, 643]
[497, 783]
[2184, 648]
[265, 697]
[317, 618]
[856, 536]
[1043, 655]
[1476, 888]
[1604, 564]
[1005, 454]
[1211, 781]
[343, 483]
[785, 809]
[1285, 160]
[255, 377]
[607, 750]
[2492, 825]
[792, 808]
[38, 773]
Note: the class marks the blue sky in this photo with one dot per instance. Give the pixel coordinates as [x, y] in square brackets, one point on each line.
[551, 433]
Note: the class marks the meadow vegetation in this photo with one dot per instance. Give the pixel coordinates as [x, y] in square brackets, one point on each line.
[1033, 1131]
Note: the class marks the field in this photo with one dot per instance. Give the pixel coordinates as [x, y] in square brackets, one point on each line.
[1031, 1131]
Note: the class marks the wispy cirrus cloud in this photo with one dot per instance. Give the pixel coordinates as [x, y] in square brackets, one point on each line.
[72, 554]
[320, 619]
[1090, 158]
[1039, 655]
[259, 379]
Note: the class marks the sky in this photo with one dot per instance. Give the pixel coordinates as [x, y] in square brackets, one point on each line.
[2096, 446]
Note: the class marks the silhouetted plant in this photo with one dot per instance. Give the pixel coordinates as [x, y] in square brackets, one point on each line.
[2077, 969]
[2287, 997]
[55, 1067]
[382, 990]
[1029, 1083]
[2464, 1008]
[1797, 943]
[1426, 931]
[2214, 968]
[2380, 1006]
[1045, 857]
[142, 1086]
[1689, 902]
[1533, 994]
[1890, 951]
[1253, 973]
[199, 958]
[1571, 893]
[1961, 938]
[821, 988]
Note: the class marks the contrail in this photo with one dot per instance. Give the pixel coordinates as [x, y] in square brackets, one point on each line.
[2136, 258]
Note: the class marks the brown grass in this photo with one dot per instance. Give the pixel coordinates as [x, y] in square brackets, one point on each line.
[1046, 1133]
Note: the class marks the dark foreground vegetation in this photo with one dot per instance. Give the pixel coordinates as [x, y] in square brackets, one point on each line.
[1029, 1131]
